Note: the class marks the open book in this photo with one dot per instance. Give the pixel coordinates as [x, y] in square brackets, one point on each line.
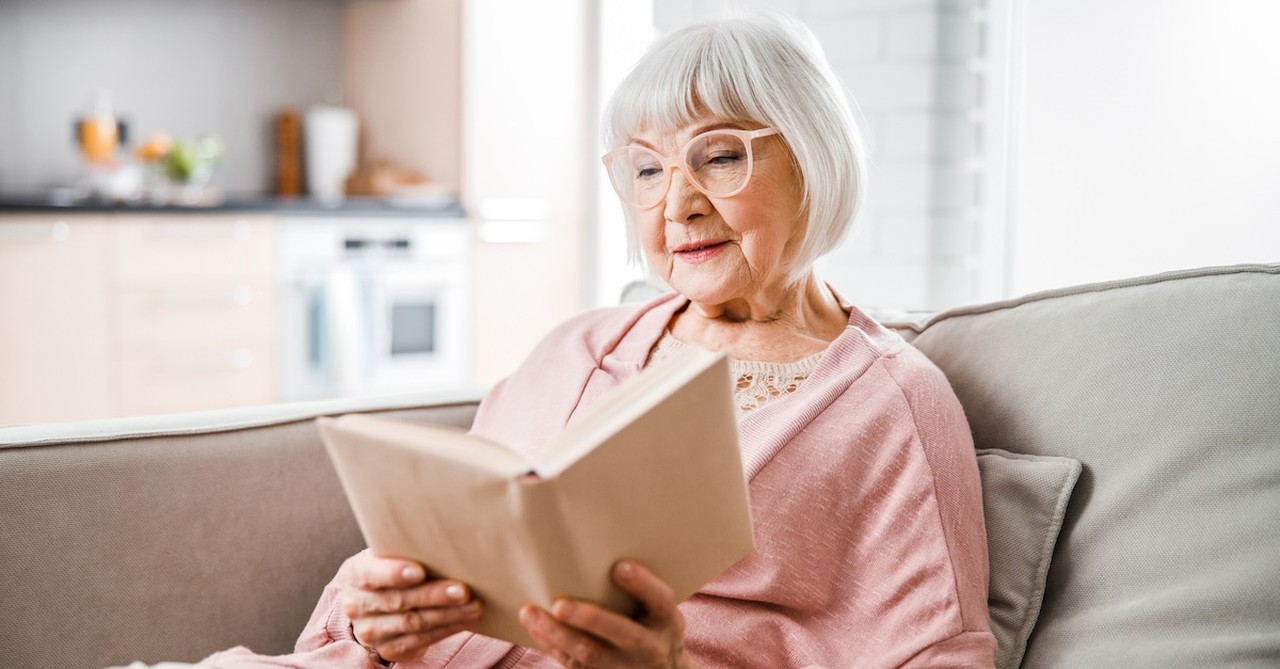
[651, 472]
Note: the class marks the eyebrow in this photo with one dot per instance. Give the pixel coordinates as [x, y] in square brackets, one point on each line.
[698, 130]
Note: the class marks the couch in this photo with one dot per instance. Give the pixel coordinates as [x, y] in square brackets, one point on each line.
[1129, 440]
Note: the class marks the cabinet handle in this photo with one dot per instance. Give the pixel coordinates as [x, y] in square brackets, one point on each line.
[191, 298]
[229, 360]
[57, 231]
[239, 230]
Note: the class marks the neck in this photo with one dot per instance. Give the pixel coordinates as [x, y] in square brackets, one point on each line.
[780, 327]
[801, 304]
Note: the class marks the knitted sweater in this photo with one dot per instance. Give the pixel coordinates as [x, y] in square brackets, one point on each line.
[867, 507]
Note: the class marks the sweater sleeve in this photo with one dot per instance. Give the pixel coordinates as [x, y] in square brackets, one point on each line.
[325, 643]
[328, 623]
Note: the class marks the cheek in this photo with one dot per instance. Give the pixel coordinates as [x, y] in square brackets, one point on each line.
[766, 219]
[649, 232]
[779, 203]
[771, 230]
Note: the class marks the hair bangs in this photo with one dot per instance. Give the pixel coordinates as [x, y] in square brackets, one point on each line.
[659, 97]
[698, 77]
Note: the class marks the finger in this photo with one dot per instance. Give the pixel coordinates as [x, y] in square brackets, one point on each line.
[654, 594]
[432, 594]
[620, 631]
[411, 646]
[380, 629]
[370, 572]
[565, 644]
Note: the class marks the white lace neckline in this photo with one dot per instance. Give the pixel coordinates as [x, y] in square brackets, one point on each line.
[756, 382]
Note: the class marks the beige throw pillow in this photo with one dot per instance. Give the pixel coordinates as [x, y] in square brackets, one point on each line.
[1024, 498]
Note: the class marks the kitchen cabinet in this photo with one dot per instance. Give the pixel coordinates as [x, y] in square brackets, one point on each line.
[124, 314]
[54, 312]
[194, 324]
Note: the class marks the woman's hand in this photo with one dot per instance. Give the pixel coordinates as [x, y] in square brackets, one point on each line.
[580, 634]
[396, 611]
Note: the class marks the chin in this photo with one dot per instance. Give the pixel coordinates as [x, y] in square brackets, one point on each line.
[704, 294]
[708, 287]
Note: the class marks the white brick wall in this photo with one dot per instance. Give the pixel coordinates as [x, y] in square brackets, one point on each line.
[909, 66]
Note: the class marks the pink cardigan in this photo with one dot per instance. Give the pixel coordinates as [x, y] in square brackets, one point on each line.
[870, 544]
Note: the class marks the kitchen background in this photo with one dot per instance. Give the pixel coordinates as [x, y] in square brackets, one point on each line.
[189, 68]
[1017, 145]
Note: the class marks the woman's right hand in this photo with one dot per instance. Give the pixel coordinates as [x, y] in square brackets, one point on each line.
[396, 611]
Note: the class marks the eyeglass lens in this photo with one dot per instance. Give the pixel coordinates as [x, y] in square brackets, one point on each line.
[717, 162]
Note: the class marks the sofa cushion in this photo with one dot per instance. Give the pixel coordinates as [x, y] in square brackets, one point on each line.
[1167, 389]
[1024, 499]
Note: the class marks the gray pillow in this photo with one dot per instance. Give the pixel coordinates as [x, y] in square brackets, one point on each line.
[1024, 498]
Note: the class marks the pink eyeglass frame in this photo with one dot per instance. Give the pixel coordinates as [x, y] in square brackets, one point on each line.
[669, 164]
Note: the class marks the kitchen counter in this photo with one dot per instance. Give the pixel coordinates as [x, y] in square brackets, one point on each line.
[354, 206]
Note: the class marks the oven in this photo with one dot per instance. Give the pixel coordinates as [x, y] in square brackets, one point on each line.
[373, 306]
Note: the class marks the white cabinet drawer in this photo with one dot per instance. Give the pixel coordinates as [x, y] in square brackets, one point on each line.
[195, 312]
[189, 378]
[192, 246]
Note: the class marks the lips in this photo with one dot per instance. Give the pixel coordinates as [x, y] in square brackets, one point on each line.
[700, 251]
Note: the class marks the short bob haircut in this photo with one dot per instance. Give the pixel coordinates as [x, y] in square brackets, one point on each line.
[766, 69]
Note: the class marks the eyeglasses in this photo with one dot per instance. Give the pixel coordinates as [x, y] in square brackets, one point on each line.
[717, 162]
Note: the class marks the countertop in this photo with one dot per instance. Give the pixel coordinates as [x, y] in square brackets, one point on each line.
[355, 206]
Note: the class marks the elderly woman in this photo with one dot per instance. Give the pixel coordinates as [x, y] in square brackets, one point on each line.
[738, 163]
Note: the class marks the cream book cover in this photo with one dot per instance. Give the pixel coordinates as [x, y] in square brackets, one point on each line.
[650, 472]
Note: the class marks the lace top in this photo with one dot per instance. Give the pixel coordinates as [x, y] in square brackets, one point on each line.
[757, 383]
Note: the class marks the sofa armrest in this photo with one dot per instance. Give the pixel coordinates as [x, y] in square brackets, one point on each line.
[171, 537]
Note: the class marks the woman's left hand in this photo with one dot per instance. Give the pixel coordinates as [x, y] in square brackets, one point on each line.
[580, 634]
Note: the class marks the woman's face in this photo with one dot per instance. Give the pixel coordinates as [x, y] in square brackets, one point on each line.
[715, 250]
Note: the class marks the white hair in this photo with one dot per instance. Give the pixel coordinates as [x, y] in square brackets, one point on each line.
[766, 69]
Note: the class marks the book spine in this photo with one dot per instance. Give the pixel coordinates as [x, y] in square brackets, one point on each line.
[552, 564]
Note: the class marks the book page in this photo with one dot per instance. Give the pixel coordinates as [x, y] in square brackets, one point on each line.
[458, 520]
[451, 443]
[667, 490]
[622, 406]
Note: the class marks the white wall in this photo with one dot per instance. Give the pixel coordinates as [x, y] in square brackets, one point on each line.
[528, 142]
[1025, 144]
[625, 29]
[1148, 138]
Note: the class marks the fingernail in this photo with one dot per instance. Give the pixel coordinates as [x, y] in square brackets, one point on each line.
[413, 573]
[471, 608]
[455, 592]
[561, 608]
[625, 570]
[525, 615]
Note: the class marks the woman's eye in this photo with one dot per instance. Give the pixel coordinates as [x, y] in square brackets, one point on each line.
[648, 172]
[725, 158]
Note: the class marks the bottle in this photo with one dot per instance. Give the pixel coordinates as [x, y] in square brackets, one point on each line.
[330, 135]
[288, 177]
[99, 132]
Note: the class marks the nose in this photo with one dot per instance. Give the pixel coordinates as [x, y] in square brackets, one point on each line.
[683, 203]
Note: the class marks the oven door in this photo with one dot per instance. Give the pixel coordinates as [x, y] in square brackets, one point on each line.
[419, 335]
[371, 328]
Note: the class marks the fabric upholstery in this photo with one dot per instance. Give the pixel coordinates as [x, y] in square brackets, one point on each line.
[142, 540]
[1024, 499]
[1167, 390]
